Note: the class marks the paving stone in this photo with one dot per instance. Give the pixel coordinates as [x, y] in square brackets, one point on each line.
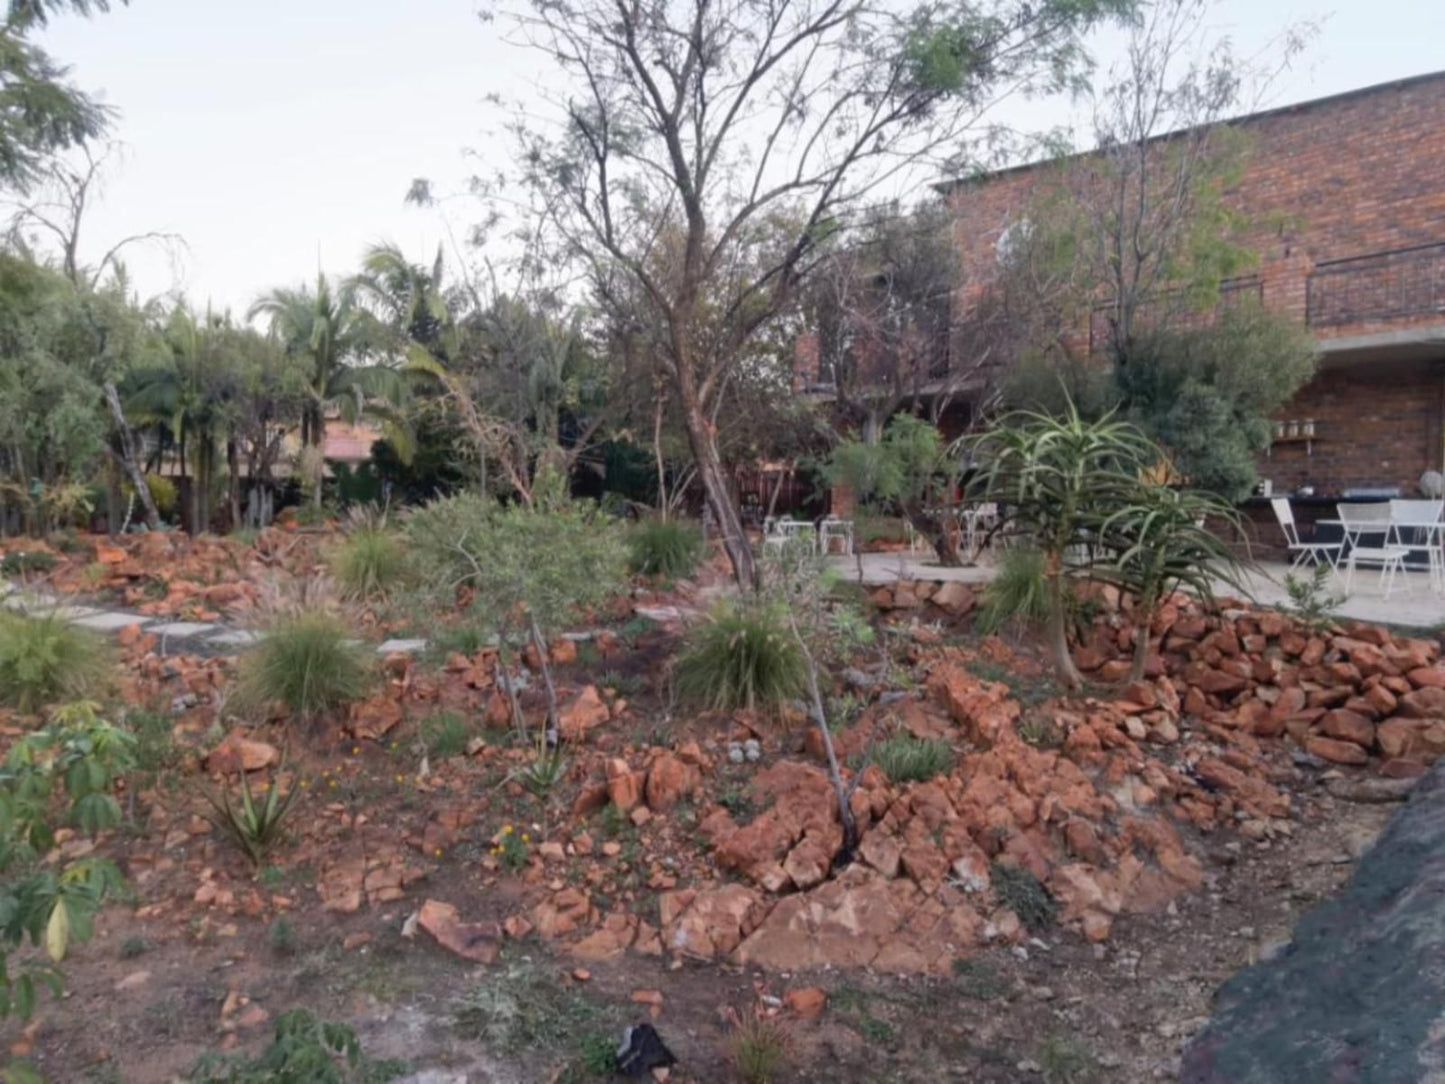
[183, 630]
[111, 622]
[409, 646]
[234, 638]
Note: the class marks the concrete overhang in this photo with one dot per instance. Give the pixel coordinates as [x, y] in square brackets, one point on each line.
[1419, 344]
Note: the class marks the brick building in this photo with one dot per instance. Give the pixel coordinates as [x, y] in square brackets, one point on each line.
[1354, 185]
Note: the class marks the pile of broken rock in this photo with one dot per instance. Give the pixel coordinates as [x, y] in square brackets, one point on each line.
[1109, 812]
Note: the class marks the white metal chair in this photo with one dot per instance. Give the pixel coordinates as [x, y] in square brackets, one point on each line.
[1422, 522]
[1304, 552]
[832, 527]
[1359, 521]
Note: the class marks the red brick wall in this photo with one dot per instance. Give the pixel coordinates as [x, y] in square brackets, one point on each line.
[1337, 178]
[1376, 425]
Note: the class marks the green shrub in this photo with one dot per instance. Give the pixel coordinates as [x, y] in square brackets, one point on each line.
[667, 548]
[163, 493]
[906, 759]
[308, 663]
[67, 771]
[370, 562]
[1018, 594]
[305, 1050]
[445, 734]
[45, 659]
[1023, 893]
[21, 562]
[743, 656]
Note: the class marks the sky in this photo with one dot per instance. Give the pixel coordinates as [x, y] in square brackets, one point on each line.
[279, 137]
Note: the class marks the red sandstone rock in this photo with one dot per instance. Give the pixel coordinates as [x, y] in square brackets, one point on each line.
[585, 711]
[624, 786]
[470, 940]
[669, 780]
[1340, 752]
[1345, 725]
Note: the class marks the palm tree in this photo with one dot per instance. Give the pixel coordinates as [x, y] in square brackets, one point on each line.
[185, 397]
[338, 338]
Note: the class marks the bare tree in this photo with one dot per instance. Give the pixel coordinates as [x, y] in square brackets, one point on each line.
[707, 147]
[56, 208]
[1152, 237]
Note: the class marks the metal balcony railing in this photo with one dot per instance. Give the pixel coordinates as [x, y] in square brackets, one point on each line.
[1379, 286]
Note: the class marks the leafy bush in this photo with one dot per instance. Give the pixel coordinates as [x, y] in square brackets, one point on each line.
[22, 562]
[370, 562]
[45, 659]
[307, 662]
[743, 656]
[78, 758]
[254, 828]
[667, 548]
[305, 1050]
[906, 759]
[1018, 594]
[163, 493]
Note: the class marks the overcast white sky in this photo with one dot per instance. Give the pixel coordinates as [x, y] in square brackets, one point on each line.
[279, 136]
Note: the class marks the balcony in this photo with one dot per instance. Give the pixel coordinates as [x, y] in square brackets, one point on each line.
[1390, 285]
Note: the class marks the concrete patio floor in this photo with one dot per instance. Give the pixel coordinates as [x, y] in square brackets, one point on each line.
[1411, 604]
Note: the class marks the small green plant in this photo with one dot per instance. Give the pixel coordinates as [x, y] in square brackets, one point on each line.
[589, 657]
[523, 1007]
[1311, 601]
[445, 734]
[666, 548]
[906, 759]
[743, 656]
[1023, 893]
[254, 828]
[540, 775]
[1018, 595]
[613, 821]
[282, 936]
[597, 1055]
[760, 1046]
[156, 750]
[46, 659]
[307, 662]
[465, 639]
[1039, 731]
[369, 563]
[975, 979]
[624, 685]
[1066, 1061]
[304, 1050]
[735, 801]
[635, 628]
[24, 563]
[133, 946]
[512, 849]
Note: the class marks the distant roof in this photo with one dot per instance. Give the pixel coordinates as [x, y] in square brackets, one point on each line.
[1243, 118]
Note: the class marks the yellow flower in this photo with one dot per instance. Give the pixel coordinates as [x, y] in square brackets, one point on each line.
[526, 838]
[355, 749]
[399, 777]
[506, 829]
[333, 784]
[438, 852]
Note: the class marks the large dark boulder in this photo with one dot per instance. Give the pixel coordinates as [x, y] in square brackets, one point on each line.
[1358, 997]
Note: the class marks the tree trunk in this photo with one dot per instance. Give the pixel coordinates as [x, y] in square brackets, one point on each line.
[835, 771]
[233, 482]
[703, 440]
[1141, 648]
[128, 458]
[553, 731]
[1058, 630]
